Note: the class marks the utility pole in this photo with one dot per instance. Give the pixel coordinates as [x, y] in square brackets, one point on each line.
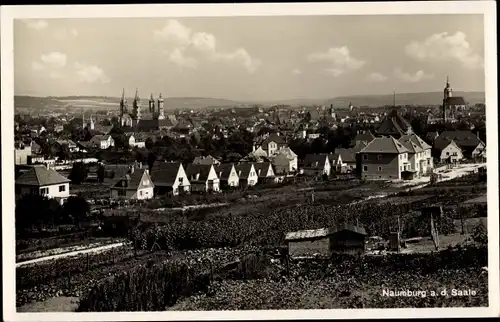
[394, 98]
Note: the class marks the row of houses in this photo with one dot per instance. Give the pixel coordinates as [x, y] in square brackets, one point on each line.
[388, 158]
[173, 178]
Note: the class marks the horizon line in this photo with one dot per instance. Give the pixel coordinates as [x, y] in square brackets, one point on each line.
[251, 100]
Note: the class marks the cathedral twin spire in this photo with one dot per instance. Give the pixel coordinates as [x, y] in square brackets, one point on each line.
[136, 108]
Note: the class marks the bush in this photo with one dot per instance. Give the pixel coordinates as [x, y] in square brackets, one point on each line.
[480, 234]
[150, 287]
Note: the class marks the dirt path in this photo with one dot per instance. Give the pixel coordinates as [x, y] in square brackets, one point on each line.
[55, 304]
[73, 253]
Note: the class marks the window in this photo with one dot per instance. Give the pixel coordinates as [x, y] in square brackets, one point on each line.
[379, 169]
[400, 157]
[379, 157]
[140, 193]
[181, 180]
[400, 168]
[365, 156]
[447, 153]
[365, 168]
[62, 188]
[44, 191]
[121, 193]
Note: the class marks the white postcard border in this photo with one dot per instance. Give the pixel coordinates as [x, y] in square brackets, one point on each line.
[9, 13]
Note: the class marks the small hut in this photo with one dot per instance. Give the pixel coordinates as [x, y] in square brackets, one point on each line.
[326, 241]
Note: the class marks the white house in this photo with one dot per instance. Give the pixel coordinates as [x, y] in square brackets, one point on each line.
[264, 171]
[22, 153]
[170, 177]
[316, 164]
[40, 180]
[419, 154]
[247, 174]
[133, 141]
[228, 176]
[203, 177]
[272, 144]
[285, 161]
[134, 185]
[102, 141]
[451, 153]
[336, 162]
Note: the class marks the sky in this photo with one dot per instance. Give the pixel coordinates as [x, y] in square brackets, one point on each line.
[249, 58]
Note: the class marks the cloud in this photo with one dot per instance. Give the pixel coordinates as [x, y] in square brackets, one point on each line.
[186, 48]
[376, 77]
[334, 72]
[339, 58]
[36, 24]
[65, 33]
[174, 33]
[177, 56]
[90, 73]
[442, 47]
[296, 71]
[54, 59]
[240, 56]
[51, 61]
[409, 78]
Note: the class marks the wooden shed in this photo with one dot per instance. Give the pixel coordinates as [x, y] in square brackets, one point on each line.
[326, 241]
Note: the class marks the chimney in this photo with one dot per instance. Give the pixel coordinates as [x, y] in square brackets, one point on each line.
[140, 165]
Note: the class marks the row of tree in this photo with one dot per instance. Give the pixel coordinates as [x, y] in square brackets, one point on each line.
[35, 211]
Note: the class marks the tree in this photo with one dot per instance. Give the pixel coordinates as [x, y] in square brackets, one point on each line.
[34, 211]
[64, 153]
[78, 173]
[480, 233]
[119, 136]
[151, 160]
[76, 208]
[149, 143]
[100, 173]
[107, 122]
[233, 157]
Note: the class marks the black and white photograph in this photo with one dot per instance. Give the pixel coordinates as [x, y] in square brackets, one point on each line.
[249, 161]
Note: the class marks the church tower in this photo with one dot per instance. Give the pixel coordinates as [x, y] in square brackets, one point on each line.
[136, 108]
[447, 93]
[152, 105]
[123, 107]
[91, 123]
[161, 108]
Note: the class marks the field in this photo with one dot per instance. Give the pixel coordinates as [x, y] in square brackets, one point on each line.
[203, 242]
